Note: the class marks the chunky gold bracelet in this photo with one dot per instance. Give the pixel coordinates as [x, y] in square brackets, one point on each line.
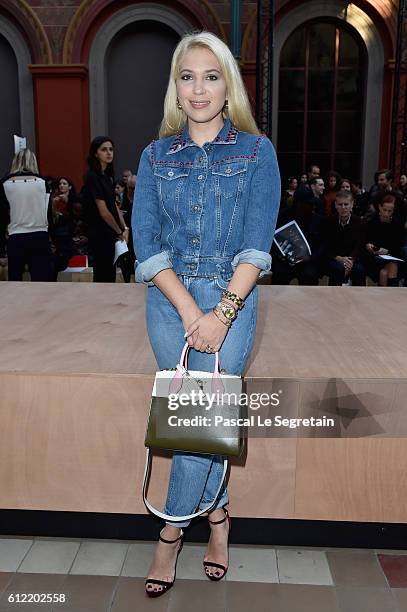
[233, 297]
[217, 312]
[228, 302]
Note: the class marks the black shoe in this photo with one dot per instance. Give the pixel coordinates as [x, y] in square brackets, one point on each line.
[209, 564]
[163, 583]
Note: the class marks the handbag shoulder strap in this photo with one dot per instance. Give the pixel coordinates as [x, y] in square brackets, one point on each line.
[168, 517]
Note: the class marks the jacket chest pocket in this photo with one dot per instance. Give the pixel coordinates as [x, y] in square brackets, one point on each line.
[171, 182]
[229, 178]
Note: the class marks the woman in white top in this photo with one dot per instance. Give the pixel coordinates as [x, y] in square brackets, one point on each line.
[24, 215]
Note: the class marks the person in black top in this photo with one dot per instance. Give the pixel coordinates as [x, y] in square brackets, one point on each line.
[105, 221]
[385, 185]
[307, 271]
[384, 236]
[61, 228]
[344, 240]
[127, 260]
[361, 198]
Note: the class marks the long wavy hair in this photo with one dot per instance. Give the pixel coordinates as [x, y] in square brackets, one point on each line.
[93, 162]
[239, 110]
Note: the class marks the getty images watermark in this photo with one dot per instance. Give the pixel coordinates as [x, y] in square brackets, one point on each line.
[283, 407]
[211, 402]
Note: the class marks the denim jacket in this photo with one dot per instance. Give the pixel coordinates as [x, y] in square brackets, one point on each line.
[203, 210]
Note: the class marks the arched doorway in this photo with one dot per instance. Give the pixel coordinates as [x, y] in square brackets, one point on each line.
[116, 94]
[16, 94]
[9, 104]
[137, 67]
[322, 99]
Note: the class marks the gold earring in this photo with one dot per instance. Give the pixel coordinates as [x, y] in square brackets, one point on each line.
[226, 106]
[179, 105]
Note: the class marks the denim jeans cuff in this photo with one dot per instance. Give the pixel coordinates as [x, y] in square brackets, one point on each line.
[182, 525]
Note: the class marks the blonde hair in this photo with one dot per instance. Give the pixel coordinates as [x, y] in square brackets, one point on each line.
[24, 161]
[239, 110]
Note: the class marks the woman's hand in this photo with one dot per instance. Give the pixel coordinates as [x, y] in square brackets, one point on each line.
[190, 315]
[207, 330]
[382, 252]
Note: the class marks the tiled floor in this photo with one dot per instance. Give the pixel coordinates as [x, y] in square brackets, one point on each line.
[108, 575]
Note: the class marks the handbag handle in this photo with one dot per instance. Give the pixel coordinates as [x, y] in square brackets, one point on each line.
[178, 519]
[176, 382]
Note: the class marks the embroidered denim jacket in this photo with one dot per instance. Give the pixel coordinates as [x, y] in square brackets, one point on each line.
[204, 210]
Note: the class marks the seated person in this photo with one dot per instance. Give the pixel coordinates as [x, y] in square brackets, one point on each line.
[343, 238]
[361, 198]
[287, 195]
[317, 186]
[307, 271]
[384, 235]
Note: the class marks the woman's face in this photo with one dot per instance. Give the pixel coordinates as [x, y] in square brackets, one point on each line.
[403, 180]
[304, 178]
[64, 186]
[332, 182]
[293, 184]
[105, 153]
[201, 87]
[119, 189]
[345, 186]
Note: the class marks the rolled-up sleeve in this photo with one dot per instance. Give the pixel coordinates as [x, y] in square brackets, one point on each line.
[261, 211]
[146, 224]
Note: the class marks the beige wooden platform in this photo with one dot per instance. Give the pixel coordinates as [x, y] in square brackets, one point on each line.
[76, 371]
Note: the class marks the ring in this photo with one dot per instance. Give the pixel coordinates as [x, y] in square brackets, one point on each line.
[209, 348]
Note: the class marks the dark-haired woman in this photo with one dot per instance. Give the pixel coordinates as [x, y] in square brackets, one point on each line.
[105, 221]
[332, 183]
[61, 229]
[287, 196]
[384, 236]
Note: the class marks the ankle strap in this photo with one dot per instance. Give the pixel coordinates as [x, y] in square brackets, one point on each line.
[171, 541]
[222, 520]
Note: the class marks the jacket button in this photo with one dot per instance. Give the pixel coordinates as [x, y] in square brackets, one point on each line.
[196, 209]
[195, 241]
[200, 177]
[228, 170]
[170, 173]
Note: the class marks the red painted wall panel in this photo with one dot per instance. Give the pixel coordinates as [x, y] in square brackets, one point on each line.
[62, 120]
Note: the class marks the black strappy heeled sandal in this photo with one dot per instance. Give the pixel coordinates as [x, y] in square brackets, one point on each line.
[218, 566]
[163, 583]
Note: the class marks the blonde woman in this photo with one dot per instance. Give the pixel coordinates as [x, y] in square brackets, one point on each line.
[24, 209]
[204, 215]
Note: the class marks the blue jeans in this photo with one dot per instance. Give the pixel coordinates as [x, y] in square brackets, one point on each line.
[194, 479]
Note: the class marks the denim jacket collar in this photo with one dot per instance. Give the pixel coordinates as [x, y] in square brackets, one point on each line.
[227, 135]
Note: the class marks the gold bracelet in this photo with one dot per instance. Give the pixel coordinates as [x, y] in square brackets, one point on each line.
[228, 302]
[233, 297]
[217, 313]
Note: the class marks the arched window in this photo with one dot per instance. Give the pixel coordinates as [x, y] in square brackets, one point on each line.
[321, 99]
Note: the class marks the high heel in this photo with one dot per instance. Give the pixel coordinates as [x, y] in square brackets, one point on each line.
[164, 583]
[218, 566]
